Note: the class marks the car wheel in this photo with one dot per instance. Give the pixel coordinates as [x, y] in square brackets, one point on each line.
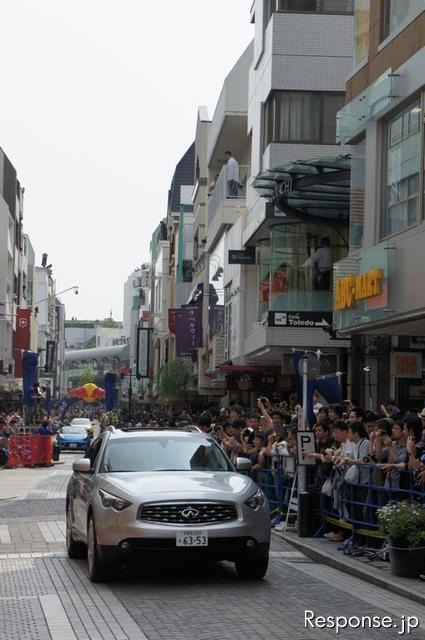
[74, 549]
[253, 566]
[98, 570]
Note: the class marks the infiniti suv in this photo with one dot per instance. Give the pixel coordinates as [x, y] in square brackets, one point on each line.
[137, 494]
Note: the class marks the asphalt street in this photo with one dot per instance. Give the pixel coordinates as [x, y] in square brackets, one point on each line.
[43, 595]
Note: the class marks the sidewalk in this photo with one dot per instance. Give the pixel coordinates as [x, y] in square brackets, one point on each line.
[377, 572]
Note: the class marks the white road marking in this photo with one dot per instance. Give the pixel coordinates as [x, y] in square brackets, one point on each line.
[57, 621]
[4, 534]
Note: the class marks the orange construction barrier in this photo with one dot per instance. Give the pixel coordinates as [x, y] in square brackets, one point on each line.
[29, 450]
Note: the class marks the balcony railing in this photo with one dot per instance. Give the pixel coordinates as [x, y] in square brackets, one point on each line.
[221, 193]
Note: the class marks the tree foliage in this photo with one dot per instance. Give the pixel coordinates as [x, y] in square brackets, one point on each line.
[87, 376]
[172, 379]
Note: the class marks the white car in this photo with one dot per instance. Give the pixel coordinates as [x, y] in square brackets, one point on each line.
[161, 492]
[83, 422]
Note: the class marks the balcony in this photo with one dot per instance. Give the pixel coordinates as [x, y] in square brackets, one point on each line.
[224, 209]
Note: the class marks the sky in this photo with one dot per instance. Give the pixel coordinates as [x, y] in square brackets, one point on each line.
[99, 103]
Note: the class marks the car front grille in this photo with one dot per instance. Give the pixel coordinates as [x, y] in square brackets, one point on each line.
[188, 512]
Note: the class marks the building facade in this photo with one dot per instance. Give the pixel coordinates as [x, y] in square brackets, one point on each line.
[379, 287]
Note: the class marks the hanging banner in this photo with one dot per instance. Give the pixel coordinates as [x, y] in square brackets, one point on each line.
[192, 318]
[50, 356]
[172, 315]
[143, 352]
[22, 338]
[30, 375]
[111, 391]
[216, 319]
[182, 335]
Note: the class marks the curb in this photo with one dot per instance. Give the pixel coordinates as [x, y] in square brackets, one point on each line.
[351, 567]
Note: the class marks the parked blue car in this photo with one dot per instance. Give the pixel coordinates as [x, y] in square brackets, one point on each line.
[73, 438]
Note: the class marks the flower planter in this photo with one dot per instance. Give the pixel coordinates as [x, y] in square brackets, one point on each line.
[405, 562]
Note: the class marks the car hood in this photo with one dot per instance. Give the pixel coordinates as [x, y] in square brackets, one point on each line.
[201, 485]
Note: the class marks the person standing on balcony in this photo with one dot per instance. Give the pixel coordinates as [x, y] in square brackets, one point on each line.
[232, 175]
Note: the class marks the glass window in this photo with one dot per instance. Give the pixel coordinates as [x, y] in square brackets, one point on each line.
[401, 198]
[361, 30]
[297, 6]
[295, 267]
[164, 454]
[316, 6]
[292, 116]
[400, 12]
[332, 103]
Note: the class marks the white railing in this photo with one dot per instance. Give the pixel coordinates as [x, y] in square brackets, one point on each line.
[220, 192]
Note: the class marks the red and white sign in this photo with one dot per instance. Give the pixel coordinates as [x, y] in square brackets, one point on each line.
[22, 338]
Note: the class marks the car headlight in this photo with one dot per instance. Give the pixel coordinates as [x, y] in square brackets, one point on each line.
[110, 501]
[257, 500]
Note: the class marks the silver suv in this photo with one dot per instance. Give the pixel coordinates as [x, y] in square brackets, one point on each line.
[164, 491]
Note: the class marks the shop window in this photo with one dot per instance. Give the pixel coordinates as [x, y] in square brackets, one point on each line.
[398, 13]
[292, 116]
[403, 164]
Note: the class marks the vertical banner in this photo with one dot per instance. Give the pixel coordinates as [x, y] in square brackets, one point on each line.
[143, 352]
[192, 318]
[29, 375]
[50, 356]
[22, 338]
[111, 392]
[172, 316]
[216, 319]
[182, 335]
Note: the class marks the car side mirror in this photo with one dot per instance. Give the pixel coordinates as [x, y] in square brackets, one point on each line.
[82, 466]
[243, 464]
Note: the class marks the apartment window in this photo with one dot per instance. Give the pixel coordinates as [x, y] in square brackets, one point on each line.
[291, 116]
[361, 31]
[400, 12]
[316, 6]
[403, 168]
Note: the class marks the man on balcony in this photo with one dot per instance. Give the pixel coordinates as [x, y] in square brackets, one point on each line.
[232, 175]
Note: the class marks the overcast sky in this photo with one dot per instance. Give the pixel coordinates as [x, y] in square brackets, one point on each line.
[99, 103]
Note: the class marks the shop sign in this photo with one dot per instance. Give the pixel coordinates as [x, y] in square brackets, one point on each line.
[242, 256]
[143, 352]
[352, 288]
[406, 364]
[300, 319]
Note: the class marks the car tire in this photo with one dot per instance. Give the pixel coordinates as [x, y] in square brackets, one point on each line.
[74, 549]
[98, 570]
[253, 566]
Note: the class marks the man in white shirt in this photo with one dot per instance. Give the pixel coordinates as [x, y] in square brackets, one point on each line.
[232, 175]
[321, 263]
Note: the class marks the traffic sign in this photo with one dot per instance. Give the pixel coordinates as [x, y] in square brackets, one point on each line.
[300, 319]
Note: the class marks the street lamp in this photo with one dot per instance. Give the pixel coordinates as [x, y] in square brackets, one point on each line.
[74, 289]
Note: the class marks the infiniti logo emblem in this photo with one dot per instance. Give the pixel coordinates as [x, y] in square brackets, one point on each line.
[189, 513]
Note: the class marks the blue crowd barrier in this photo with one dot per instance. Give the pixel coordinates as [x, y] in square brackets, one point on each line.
[348, 506]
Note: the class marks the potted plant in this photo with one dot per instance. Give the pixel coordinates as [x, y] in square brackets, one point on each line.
[404, 525]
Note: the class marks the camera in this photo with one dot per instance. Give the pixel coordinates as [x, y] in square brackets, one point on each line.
[248, 434]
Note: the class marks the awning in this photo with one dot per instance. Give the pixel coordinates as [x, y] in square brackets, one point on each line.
[309, 188]
[248, 368]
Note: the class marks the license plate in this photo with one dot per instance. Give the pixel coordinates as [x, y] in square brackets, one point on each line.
[192, 538]
[73, 445]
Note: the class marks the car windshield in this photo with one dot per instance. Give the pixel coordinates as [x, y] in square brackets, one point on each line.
[80, 421]
[163, 454]
[74, 429]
